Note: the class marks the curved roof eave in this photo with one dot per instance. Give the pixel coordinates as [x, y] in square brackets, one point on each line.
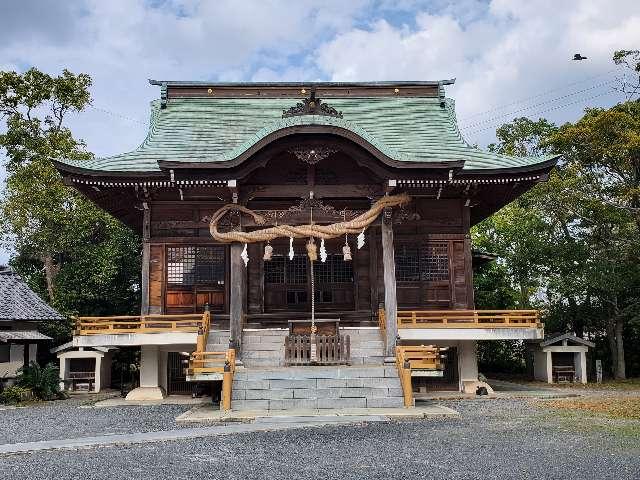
[545, 163]
[67, 167]
[275, 132]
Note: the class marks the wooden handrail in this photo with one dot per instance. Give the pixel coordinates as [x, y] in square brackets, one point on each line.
[469, 319]
[125, 324]
[382, 319]
[216, 362]
[408, 358]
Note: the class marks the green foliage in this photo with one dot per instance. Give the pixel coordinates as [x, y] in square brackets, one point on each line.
[69, 251]
[44, 382]
[493, 289]
[15, 394]
[522, 137]
[501, 356]
[572, 244]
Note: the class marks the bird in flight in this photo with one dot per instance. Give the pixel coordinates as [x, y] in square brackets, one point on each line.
[578, 56]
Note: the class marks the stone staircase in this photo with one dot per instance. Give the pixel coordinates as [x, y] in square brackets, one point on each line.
[218, 341]
[316, 388]
[263, 347]
[367, 347]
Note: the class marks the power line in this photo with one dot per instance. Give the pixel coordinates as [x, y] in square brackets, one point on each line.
[541, 94]
[118, 115]
[536, 105]
[558, 107]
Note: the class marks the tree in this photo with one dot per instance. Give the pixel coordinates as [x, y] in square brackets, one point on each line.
[522, 137]
[71, 252]
[630, 60]
[571, 244]
[518, 233]
[604, 149]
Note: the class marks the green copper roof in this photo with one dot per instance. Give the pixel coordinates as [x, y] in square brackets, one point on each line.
[406, 129]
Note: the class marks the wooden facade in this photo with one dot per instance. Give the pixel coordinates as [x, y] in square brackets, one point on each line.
[432, 257]
[307, 162]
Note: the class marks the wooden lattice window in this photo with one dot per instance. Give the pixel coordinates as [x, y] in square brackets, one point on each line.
[434, 262]
[297, 270]
[274, 270]
[407, 263]
[281, 270]
[195, 265]
[333, 270]
[427, 262]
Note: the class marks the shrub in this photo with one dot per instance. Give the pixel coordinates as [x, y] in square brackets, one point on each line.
[44, 382]
[15, 394]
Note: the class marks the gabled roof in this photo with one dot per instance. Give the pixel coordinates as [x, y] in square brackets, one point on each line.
[191, 127]
[5, 336]
[557, 338]
[19, 302]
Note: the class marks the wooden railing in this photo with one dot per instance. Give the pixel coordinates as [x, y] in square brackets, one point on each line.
[140, 324]
[216, 362]
[469, 319]
[382, 319]
[211, 362]
[330, 350]
[408, 358]
[203, 332]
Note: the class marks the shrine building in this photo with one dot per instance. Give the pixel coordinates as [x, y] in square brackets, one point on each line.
[305, 245]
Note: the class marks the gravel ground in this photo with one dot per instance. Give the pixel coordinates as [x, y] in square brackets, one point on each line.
[71, 419]
[492, 439]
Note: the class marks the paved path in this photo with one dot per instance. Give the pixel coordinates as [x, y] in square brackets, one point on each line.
[210, 413]
[261, 424]
[506, 439]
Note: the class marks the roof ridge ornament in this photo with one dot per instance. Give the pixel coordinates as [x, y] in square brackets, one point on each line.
[311, 106]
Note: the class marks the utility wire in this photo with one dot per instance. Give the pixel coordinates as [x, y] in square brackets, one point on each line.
[117, 115]
[536, 105]
[538, 95]
[558, 107]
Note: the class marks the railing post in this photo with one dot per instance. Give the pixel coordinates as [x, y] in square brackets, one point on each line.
[407, 388]
[227, 380]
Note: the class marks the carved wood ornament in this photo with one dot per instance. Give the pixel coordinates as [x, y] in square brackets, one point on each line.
[312, 155]
[311, 106]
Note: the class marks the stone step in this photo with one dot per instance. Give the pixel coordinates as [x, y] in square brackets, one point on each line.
[369, 360]
[341, 372]
[262, 362]
[317, 403]
[255, 354]
[320, 387]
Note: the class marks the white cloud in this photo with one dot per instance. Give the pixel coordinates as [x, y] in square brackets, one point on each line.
[511, 50]
[500, 51]
[122, 43]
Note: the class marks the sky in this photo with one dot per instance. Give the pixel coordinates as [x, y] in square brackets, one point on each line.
[510, 58]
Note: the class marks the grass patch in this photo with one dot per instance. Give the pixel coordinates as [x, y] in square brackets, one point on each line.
[614, 407]
[629, 384]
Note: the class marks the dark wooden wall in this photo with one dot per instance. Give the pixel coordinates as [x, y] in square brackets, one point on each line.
[441, 222]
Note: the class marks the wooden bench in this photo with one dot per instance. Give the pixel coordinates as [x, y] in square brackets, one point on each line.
[75, 378]
[563, 374]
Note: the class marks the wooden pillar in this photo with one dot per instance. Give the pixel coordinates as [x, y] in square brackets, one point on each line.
[389, 268]
[237, 294]
[146, 258]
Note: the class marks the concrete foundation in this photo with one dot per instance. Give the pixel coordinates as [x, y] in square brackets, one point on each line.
[150, 367]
